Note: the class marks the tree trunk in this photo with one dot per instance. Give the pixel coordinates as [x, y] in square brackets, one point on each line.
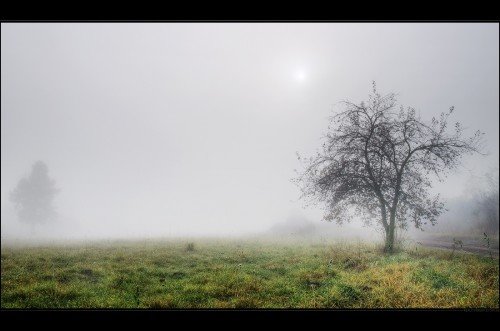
[389, 234]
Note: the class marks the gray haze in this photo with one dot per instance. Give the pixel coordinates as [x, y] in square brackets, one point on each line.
[192, 129]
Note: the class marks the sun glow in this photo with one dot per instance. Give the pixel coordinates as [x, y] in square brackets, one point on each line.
[300, 75]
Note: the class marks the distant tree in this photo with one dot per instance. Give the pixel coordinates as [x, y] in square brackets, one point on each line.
[377, 162]
[487, 204]
[34, 195]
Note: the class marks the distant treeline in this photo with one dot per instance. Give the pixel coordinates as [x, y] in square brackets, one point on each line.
[476, 212]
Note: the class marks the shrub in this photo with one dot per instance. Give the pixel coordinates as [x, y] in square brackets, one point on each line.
[190, 247]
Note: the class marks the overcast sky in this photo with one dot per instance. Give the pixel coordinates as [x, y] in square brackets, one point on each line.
[173, 129]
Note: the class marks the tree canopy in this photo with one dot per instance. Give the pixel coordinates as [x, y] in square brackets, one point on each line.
[378, 162]
[34, 195]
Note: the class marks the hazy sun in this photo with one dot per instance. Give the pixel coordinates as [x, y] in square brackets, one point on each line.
[300, 75]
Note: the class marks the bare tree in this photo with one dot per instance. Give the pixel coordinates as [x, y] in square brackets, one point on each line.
[33, 196]
[377, 161]
[486, 209]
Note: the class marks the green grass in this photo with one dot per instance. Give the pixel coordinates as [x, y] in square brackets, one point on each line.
[243, 274]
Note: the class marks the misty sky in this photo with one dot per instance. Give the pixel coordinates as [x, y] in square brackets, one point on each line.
[182, 128]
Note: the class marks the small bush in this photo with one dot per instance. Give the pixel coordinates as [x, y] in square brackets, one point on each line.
[190, 247]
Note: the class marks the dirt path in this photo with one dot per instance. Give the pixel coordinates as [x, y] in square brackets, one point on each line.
[466, 248]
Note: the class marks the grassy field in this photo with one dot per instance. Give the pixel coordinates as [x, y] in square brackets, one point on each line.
[243, 274]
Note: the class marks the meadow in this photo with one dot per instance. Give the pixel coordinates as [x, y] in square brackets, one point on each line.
[185, 273]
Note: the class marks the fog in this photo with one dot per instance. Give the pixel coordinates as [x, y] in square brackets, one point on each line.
[191, 129]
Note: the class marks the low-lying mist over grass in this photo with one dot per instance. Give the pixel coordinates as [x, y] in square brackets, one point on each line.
[244, 274]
